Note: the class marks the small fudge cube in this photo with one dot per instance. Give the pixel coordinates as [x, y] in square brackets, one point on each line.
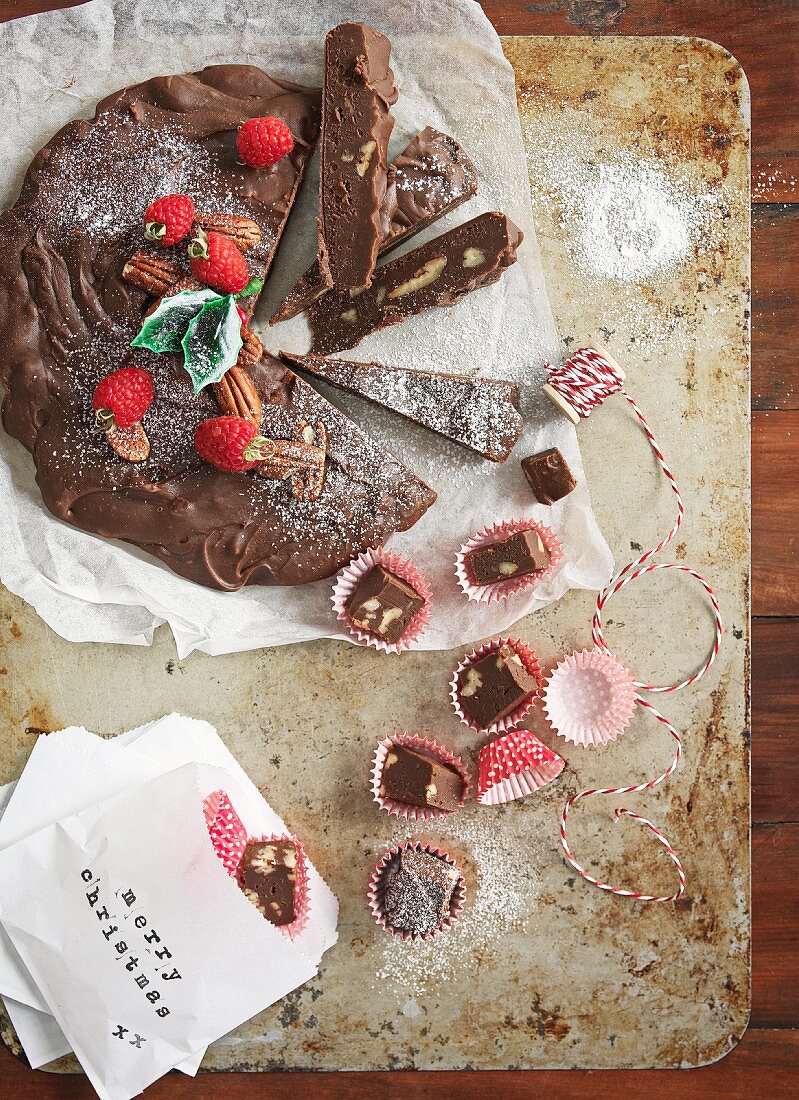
[383, 604]
[549, 475]
[419, 892]
[494, 686]
[268, 877]
[516, 556]
[418, 780]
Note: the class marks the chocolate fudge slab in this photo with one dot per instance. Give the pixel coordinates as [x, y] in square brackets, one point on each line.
[549, 476]
[411, 777]
[478, 413]
[431, 177]
[494, 686]
[356, 125]
[516, 556]
[419, 892]
[438, 273]
[383, 604]
[268, 877]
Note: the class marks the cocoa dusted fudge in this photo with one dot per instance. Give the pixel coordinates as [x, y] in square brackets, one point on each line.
[431, 177]
[412, 777]
[516, 556]
[493, 686]
[549, 476]
[383, 604]
[356, 124]
[419, 892]
[437, 273]
[268, 877]
[478, 413]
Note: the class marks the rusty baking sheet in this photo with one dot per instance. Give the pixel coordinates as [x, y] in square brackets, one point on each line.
[544, 971]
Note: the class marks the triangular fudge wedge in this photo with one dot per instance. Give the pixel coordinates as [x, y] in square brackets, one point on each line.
[357, 122]
[437, 273]
[479, 413]
[431, 177]
[69, 316]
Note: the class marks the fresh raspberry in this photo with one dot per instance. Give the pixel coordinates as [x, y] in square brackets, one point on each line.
[123, 397]
[168, 219]
[217, 261]
[230, 443]
[264, 141]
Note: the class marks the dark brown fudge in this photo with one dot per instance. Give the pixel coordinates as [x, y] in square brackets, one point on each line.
[412, 777]
[419, 891]
[494, 686]
[432, 177]
[516, 556]
[549, 475]
[268, 876]
[437, 273]
[478, 413]
[356, 125]
[383, 604]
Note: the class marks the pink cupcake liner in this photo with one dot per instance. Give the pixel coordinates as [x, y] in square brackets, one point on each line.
[379, 881]
[228, 835]
[302, 895]
[400, 567]
[510, 721]
[514, 766]
[589, 698]
[427, 747]
[501, 590]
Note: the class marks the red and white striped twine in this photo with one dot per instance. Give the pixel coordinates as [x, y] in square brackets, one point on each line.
[585, 381]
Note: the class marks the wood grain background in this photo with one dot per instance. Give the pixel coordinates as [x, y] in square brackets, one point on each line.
[764, 37]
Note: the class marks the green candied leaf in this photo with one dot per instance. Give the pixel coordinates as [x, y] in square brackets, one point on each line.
[166, 326]
[212, 341]
[254, 286]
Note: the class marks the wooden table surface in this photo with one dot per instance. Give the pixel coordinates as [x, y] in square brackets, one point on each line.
[764, 36]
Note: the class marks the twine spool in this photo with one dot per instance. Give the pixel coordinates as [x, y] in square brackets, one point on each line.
[581, 384]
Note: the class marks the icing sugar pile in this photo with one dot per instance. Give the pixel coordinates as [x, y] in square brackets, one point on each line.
[634, 221]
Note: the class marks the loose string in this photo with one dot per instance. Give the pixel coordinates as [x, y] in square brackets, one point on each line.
[585, 382]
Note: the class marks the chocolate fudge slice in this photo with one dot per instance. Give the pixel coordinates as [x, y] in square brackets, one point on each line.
[516, 556]
[411, 777]
[438, 273]
[419, 892]
[383, 604]
[549, 476]
[268, 877]
[478, 413]
[432, 177]
[356, 125]
[494, 686]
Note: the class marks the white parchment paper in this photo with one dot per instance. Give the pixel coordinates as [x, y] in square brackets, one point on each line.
[451, 74]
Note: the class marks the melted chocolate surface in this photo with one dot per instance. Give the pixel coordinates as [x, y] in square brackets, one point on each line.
[67, 318]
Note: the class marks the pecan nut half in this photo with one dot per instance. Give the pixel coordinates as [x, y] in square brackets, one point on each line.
[298, 461]
[155, 274]
[129, 443]
[251, 348]
[236, 395]
[308, 484]
[243, 231]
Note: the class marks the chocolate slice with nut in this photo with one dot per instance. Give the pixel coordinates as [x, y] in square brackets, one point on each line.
[430, 178]
[412, 777]
[383, 604]
[478, 413]
[268, 877]
[438, 273]
[356, 125]
[516, 556]
[493, 686]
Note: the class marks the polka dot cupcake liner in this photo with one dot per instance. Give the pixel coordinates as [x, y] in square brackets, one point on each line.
[514, 766]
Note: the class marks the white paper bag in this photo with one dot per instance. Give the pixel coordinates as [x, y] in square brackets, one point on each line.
[139, 940]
